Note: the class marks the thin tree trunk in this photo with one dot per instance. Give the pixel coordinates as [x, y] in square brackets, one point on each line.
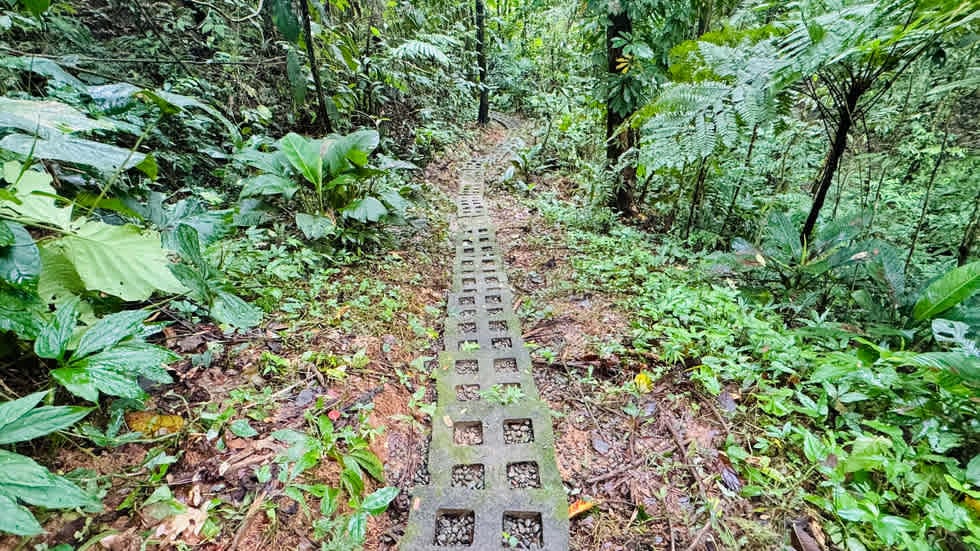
[616, 145]
[314, 66]
[970, 234]
[838, 146]
[696, 196]
[483, 117]
[925, 200]
[741, 177]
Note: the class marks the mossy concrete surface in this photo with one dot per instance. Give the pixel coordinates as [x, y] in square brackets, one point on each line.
[484, 348]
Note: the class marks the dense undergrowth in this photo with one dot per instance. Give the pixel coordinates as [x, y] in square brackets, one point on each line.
[873, 433]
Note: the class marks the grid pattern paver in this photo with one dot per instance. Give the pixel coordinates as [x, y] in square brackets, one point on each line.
[494, 479]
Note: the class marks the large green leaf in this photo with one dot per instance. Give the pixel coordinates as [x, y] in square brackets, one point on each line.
[70, 149]
[297, 76]
[338, 151]
[20, 312]
[116, 371]
[123, 261]
[378, 500]
[53, 340]
[20, 260]
[314, 226]
[304, 155]
[367, 209]
[285, 18]
[16, 519]
[109, 331]
[38, 422]
[965, 365]
[58, 280]
[35, 198]
[230, 309]
[47, 117]
[948, 291]
[268, 184]
[24, 480]
[36, 7]
[44, 67]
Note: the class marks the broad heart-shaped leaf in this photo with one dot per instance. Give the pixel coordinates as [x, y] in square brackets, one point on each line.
[211, 225]
[304, 155]
[41, 421]
[53, 340]
[284, 18]
[268, 184]
[123, 261]
[70, 149]
[20, 312]
[355, 147]
[35, 198]
[16, 519]
[367, 209]
[20, 260]
[949, 290]
[230, 309]
[314, 226]
[23, 479]
[58, 280]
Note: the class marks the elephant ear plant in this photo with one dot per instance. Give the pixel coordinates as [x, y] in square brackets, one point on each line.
[328, 184]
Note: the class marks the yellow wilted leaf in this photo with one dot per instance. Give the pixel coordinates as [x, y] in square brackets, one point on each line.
[579, 506]
[972, 504]
[643, 382]
[154, 424]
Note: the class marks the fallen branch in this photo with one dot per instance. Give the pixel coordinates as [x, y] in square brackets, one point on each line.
[616, 472]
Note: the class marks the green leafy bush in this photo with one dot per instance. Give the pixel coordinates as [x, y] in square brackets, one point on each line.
[329, 182]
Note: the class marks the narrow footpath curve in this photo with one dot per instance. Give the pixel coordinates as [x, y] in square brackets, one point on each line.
[494, 480]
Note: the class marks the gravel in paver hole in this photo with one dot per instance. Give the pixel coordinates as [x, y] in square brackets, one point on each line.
[505, 365]
[468, 476]
[494, 311]
[467, 393]
[468, 433]
[493, 299]
[467, 327]
[522, 531]
[502, 343]
[523, 475]
[469, 281]
[467, 300]
[467, 367]
[498, 326]
[518, 431]
[454, 528]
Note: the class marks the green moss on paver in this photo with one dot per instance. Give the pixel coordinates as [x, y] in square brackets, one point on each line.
[496, 498]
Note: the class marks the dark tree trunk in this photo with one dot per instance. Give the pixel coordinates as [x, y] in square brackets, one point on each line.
[483, 116]
[741, 177]
[616, 145]
[970, 234]
[838, 145]
[697, 196]
[314, 66]
[925, 201]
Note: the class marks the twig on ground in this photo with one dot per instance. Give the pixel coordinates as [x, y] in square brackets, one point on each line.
[700, 534]
[669, 421]
[616, 472]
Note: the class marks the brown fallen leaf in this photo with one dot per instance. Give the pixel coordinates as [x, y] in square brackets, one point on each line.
[154, 424]
[802, 540]
[186, 525]
[579, 507]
